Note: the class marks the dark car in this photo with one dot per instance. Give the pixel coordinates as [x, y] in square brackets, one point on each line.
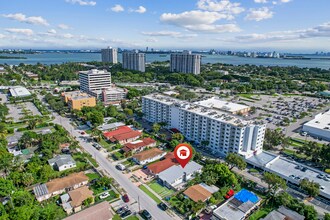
[122, 210]
[126, 213]
[162, 206]
[125, 198]
[145, 214]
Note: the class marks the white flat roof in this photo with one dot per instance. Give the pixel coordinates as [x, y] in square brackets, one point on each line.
[196, 108]
[284, 168]
[19, 92]
[321, 121]
[222, 105]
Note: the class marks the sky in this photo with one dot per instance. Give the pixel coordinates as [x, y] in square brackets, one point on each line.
[250, 25]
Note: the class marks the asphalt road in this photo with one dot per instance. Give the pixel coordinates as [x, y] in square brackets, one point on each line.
[133, 191]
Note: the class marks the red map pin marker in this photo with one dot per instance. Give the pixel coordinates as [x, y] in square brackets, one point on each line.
[183, 154]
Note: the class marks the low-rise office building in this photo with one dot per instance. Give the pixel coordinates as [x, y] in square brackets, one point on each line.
[319, 126]
[76, 100]
[19, 92]
[223, 132]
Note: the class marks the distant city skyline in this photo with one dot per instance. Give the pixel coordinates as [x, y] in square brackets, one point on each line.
[250, 25]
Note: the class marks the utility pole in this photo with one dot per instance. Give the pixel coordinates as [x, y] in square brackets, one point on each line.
[139, 203]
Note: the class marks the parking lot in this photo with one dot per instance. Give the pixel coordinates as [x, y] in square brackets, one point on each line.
[18, 111]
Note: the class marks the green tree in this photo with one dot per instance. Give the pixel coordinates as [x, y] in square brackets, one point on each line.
[128, 111]
[156, 127]
[312, 188]
[27, 179]
[327, 216]
[274, 182]
[234, 160]
[6, 187]
[178, 136]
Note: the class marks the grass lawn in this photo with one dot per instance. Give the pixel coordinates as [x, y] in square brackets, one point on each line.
[116, 217]
[104, 143]
[249, 96]
[112, 196]
[261, 213]
[292, 152]
[92, 176]
[132, 217]
[160, 190]
[150, 194]
[118, 155]
[92, 160]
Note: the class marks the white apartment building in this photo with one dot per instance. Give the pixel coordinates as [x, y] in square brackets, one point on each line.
[98, 84]
[185, 62]
[133, 60]
[94, 80]
[109, 55]
[223, 132]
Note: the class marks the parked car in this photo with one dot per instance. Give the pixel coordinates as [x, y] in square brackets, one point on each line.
[229, 194]
[122, 209]
[126, 213]
[104, 195]
[162, 206]
[97, 146]
[320, 176]
[125, 198]
[120, 166]
[146, 215]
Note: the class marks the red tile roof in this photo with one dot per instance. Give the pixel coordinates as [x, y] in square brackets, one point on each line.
[120, 130]
[125, 136]
[164, 164]
[143, 143]
[148, 154]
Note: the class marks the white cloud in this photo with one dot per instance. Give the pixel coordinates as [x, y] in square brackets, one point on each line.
[140, 10]
[259, 14]
[117, 8]
[82, 2]
[52, 31]
[162, 33]
[260, 1]
[285, 1]
[23, 31]
[200, 21]
[68, 36]
[151, 40]
[320, 31]
[63, 26]
[37, 20]
[224, 6]
[2, 36]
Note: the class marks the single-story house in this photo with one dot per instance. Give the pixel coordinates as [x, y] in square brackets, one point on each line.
[62, 162]
[60, 185]
[139, 145]
[126, 137]
[111, 126]
[175, 176]
[200, 192]
[283, 213]
[148, 156]
[160, 166]
[73, 200]
[101, 211]
[241, 205]
[120, 130]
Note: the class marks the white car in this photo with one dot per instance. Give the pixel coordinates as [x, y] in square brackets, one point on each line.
[321, 187]
[104, 195]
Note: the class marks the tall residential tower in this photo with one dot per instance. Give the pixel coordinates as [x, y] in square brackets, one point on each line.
[109, 55]
[185, 62]
[133, 60]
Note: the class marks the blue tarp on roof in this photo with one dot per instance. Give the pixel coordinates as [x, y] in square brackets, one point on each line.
[245, 195]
